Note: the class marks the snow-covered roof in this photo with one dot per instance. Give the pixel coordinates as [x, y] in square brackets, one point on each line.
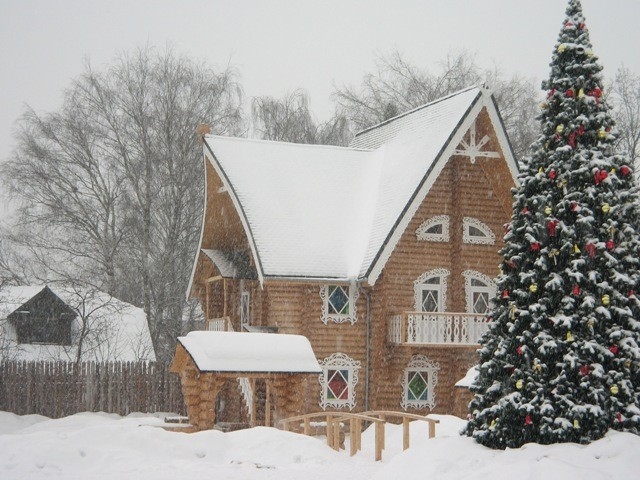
[320, 212]
[230, 266]
[469, 378]
[250, 352]
[119, 330]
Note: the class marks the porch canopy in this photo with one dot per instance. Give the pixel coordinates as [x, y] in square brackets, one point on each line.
[206, 360]
[246, 353]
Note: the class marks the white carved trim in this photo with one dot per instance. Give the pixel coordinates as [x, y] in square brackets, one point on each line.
[467, 222]
[473, 148]
[442, 273]
[429, 368]
[339, 361]
[336, 317]
[469, 289]
[421, 232]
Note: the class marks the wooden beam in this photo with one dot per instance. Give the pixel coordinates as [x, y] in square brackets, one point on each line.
[217, 278]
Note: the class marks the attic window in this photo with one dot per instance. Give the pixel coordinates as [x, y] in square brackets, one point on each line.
[435, 229]
[476, 232]
[339, 303]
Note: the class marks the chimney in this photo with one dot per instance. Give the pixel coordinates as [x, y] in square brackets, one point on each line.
[202, 130]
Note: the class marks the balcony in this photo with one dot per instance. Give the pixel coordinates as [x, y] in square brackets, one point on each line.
[222, 324]
[437, 328]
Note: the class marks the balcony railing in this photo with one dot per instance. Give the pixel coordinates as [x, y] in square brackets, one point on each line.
[438, 328]
[222, 324]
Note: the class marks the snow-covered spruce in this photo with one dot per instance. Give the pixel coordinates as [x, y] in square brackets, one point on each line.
[562, 361]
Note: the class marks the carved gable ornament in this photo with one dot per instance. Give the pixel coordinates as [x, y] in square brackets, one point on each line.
[472, 148]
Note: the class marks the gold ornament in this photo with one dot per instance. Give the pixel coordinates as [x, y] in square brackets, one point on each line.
[627, 363]
[576, 249]
[537, 367]
[581, 93]
[544, 105]
[519, 384]
[606, 299]
[548, 210]
[602, 134]
[612, 171]
[570, 337]
[591, 322]
[562, 47]
[606, 208]
[614, 389]
[576, 423]
[533, 288]
[560, 129]
[541, 170]
[493, 423]
[512, 311]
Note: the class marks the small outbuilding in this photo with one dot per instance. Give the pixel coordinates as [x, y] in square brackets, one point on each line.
[277, 365]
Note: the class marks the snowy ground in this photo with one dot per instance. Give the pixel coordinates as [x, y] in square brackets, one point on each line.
[101, 446]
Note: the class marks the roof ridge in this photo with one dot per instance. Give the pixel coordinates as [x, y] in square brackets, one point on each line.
[288, 144]
[420, 107]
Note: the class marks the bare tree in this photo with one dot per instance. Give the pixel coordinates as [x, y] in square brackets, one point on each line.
[626, 103]
[398, 86]
[289, 119]
[111, 184]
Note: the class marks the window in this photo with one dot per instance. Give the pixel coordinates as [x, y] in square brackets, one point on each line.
[477, 232]
[418, 385]
[338, 381]
[339, 303]
[479, 291]
[436, 229]
[245, 302]
[430, 291]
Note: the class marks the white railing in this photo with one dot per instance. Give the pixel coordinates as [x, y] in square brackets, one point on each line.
[219, 325]
[437, 328]
[247, 394]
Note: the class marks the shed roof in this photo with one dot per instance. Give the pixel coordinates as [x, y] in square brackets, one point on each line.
[250, 352]
[331, 213]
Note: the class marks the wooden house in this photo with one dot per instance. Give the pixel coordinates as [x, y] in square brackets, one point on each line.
[382, 254]
[50, 323]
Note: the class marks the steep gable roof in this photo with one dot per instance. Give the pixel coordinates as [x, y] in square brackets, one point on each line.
[333, 213]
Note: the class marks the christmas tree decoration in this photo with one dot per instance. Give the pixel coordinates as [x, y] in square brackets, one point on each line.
[566, 330]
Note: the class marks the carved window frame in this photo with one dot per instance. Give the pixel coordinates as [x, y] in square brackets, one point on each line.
[419, 286]
[489, 288]
[487, 237]
[422, 232]
[428, 370]
[338, 364]
[327, 315]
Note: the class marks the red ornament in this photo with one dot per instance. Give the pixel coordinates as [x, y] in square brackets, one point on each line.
[591, 249]
[596, 92]
[551, 93]
[613, 349]
[551, 227]
[552, 174]
[581, 130]
[569, 24]
[519, 350]
[599, 176]
[525, 211]
[535, 246]
[584, 370]
[632, 293]
[527, 420]
[512, 264]
[569, 93]
[610, 245]
[574, 207]
[505, 294]
[572, 140]
[619, 417]
[581, 26]
[624, 170]
[575, 290]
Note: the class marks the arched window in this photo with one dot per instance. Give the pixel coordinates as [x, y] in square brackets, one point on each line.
[435, 229]
[479, 291]
[419, 382]
[475, 231]
[430, 291]
[338, 381]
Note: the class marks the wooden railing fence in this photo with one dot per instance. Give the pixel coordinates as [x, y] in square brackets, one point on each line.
[57, 389]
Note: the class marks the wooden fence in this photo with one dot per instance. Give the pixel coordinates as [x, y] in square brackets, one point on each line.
[57, 389]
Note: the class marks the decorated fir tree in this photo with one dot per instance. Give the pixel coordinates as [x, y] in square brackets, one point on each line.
[562, 360]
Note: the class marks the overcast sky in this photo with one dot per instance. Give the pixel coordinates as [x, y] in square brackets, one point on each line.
[280, 45]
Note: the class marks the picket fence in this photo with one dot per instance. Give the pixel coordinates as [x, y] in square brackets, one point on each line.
[57, 389]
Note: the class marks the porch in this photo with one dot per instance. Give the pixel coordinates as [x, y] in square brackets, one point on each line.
[440, 328]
